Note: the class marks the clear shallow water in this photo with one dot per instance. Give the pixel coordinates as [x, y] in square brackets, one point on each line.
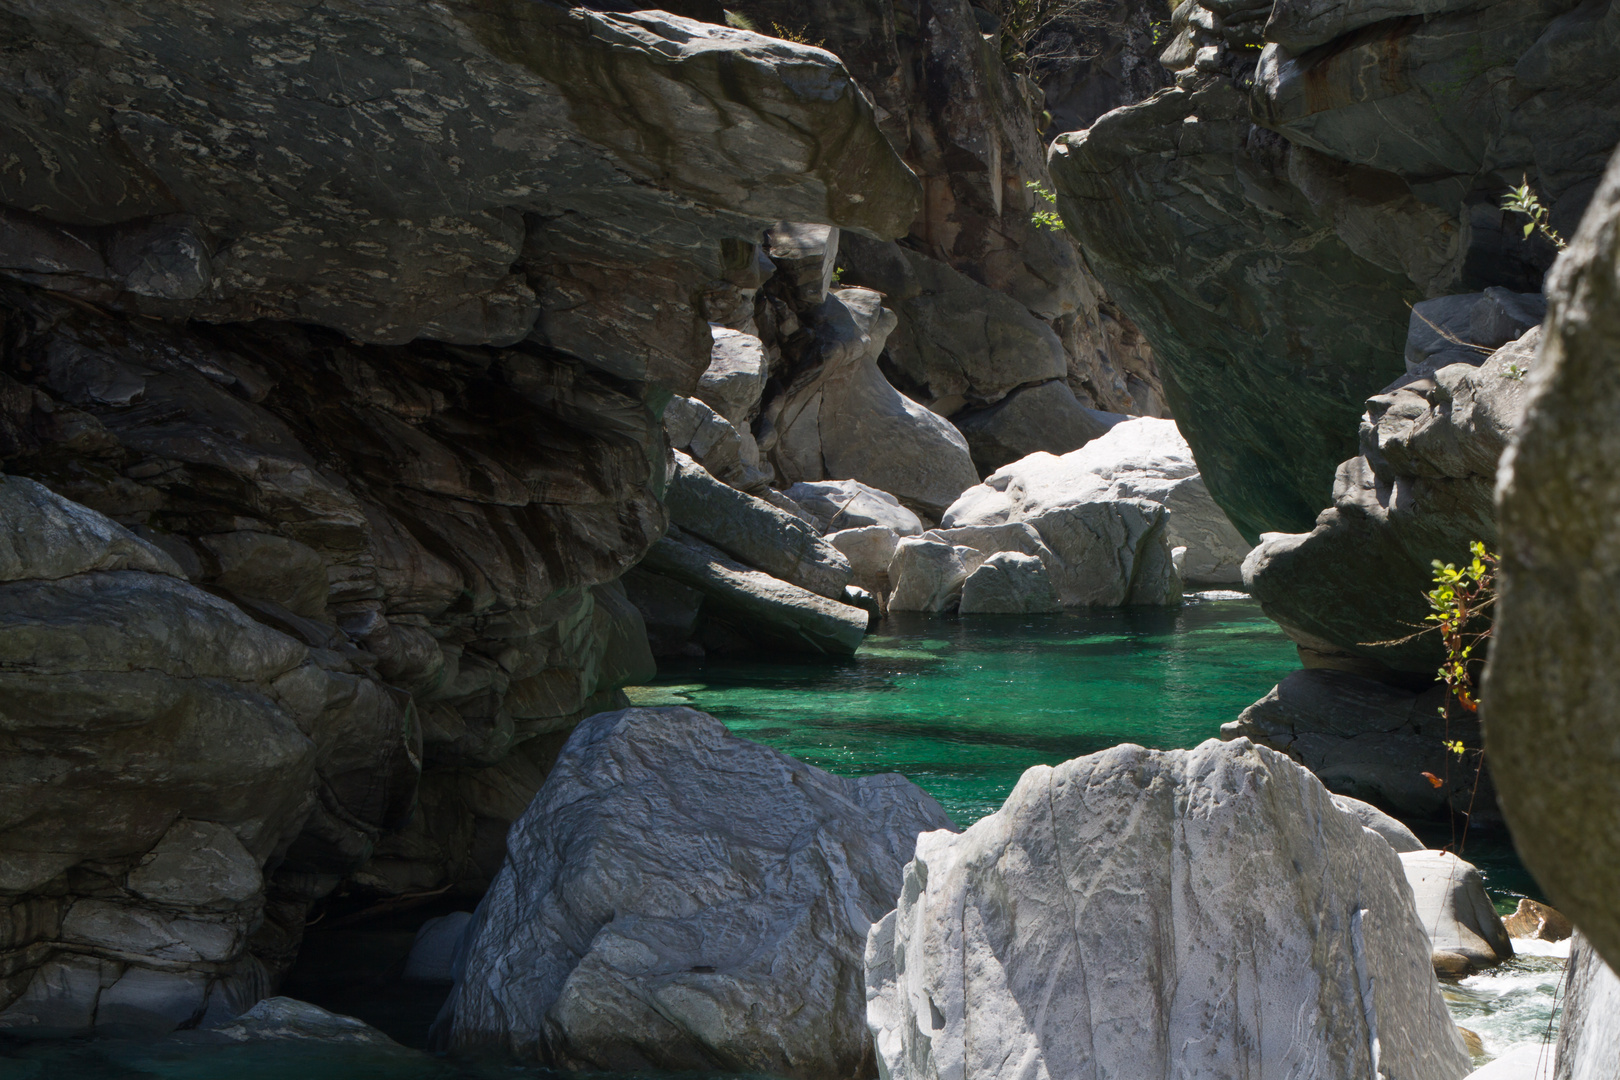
[963, 705]
[960, 705]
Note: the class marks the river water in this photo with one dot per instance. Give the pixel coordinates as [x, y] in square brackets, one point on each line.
[962, 706]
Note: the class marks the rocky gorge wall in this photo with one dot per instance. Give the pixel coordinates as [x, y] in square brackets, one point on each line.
[347, 539]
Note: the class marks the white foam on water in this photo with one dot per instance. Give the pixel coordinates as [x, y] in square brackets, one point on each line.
[1510, 1006]
[1217, 594]
[1537, 947]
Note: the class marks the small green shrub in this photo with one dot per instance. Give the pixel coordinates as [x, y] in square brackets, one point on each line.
[1044, 215]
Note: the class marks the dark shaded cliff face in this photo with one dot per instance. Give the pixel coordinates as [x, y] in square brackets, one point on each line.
[339, 339]
[1317, 167]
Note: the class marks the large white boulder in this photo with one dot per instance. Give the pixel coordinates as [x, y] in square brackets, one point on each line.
[927, 573]
[1137, 461]
[835, 505]
[678, 898]
[1203, 913]
[869, 549]
[1464, 929]
[1397, 835]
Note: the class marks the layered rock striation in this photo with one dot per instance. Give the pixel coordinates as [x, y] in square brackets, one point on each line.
[336, 345]
[678, 898]
[1135, 912]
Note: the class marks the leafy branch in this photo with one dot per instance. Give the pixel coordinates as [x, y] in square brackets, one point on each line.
[1045, 217]
[1524, 200]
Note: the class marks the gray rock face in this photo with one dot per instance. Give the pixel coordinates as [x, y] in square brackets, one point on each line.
[677, 898]
[1008, 583]
[519, 94]
[1370, 741]
[1551, 690]
[1045, 417]
[374, 576]
[846, 420]
[1421, 490]
[927, 573]
[1270, 265]
[735, 378]
[1397, 835]
[1464, 930]
[1589, 1032]
[1141, 913]
[870, 549]
[728, 453]
[758, 607]
[754, 532]
[836, 505]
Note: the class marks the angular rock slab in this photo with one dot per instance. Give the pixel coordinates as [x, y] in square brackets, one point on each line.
[1192, 913]
[678, 898]
[1552, 690]
[1008, 583]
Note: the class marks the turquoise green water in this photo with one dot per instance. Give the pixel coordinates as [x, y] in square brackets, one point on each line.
[963, 705]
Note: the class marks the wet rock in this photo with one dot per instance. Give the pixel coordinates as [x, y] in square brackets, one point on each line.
[278, 1018]
[1551, 690]
[1464, 930]
[1008, 583]
[1046, 417]
[1370, 741]
[994, 960]
[753, 531]
[1589, 1032]
[1536, 920]
[849, 504]
[845, 420]
[760, 608]
[1398, 836]
[678, 898]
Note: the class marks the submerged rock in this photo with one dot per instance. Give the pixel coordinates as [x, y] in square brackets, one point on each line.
[1464, 930]
[1144, 913]
[678, 898]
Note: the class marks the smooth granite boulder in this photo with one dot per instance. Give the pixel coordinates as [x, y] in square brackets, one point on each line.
[753, 531]
[677, 898]
[1140, 462]
[1203, 912]
[735, 378]
[927, 573]
[729, 453]
[1008, 583]
[844, 419]
[1537, 921]
[849, 504]
[759, 608]
[869, 549]
[1589, 1029]
[1397, 835]
[1465, 932]
[1552, 689]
